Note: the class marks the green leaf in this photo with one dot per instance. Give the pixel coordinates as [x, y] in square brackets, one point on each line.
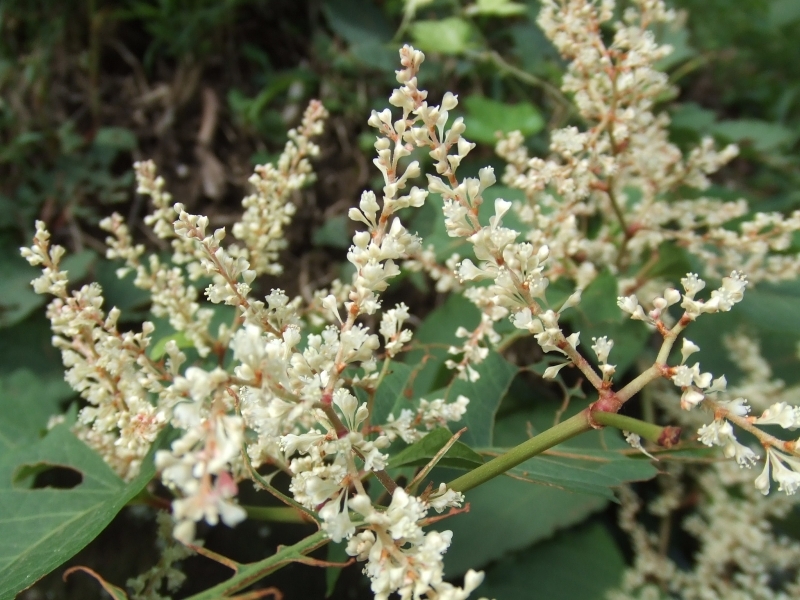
[497, 8]
[590, 464]
[506, 515]
[336, 553]
[485, 117]
[357, 22]
[17, 298]
[783, 13]
[115, 138]
[434, 336]
[459, 456]
[160, 347]
[121, 292]
[495, 377]
[672, 263]
[583, 471]
[27, 345]
[485, 394]
[550, 568]
[448, 36]
[682, 50]
[598, 315]
[333, 233]
[693, 117]
[764, 136]
[27, 402]
[395, 385]
[77, 264]
[772, 306]
[42, 528]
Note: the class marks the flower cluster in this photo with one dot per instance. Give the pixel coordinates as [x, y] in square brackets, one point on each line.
[269, 209]
[284, 396]
[625, 147]
[109, 369]
[401, 557]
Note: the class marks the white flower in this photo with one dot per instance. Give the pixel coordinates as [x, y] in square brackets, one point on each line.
[688, 349]
[691, 398]
[731, 292]
[630, 305]
[552, 371]
[444, 497]
[391, 329]
[788, 479]
[762, 481]
[602, 346]
[781, 414]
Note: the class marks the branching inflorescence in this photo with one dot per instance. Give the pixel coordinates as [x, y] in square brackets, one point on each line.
[287, 400]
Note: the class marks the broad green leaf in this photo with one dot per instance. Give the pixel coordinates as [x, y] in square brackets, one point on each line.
[27, 402]
[17, 298]
[395, 385]
[376, 55]
[27, 345]
[428, 222]
[436, 334]
[783, 12]
[42, 528]
[485, 394]
[495, 377]
[547, 571]
[459, 456]
[507, 515]
[486, 117]
[682, 50]
[772, 306]
[582, 471]
[693, 117]
[452, 35]
[77, 264]
[599, 300]
[764, 136]
[587, 464]
[672, 263]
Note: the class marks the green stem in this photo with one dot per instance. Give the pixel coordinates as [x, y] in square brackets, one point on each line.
[528, 449]
[277, 514]
[249, 574]
[647, 431]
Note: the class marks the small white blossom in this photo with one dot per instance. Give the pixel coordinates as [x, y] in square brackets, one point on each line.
[781, 414]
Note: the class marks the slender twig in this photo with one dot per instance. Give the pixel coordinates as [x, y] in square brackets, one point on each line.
[411, 487]
[565, 430]
[277, 514]
[253, 572]
[663, 436]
